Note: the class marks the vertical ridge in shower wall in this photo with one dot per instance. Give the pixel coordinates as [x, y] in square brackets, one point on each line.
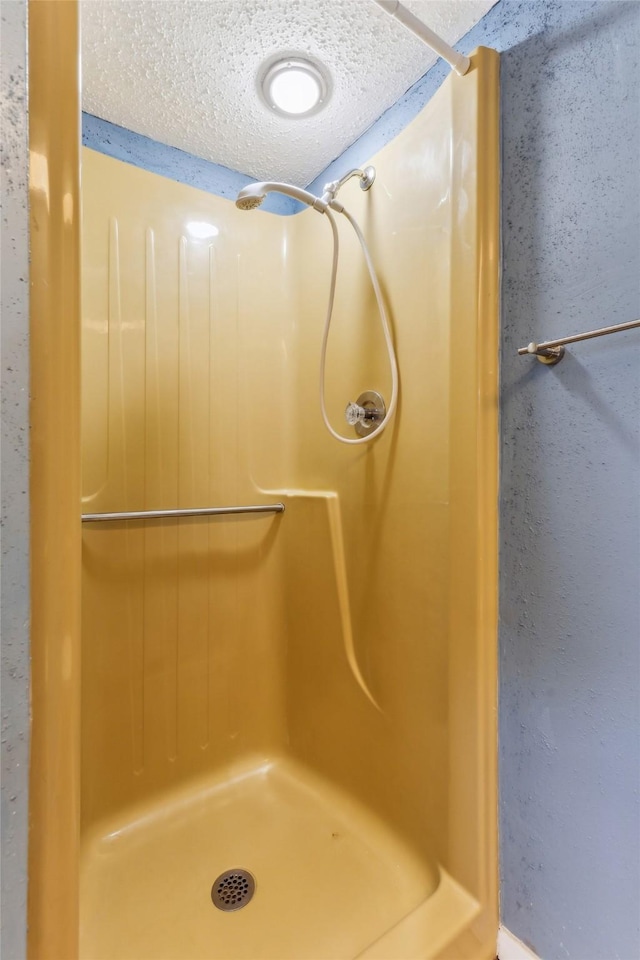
[474, 492]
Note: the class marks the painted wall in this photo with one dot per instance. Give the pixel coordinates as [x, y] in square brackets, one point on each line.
[570, 624]
[14, 693]
[155, 157]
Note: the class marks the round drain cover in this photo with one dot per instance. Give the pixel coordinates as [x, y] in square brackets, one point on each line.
[233, 889]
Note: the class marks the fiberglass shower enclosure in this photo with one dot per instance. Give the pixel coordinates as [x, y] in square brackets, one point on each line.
[308, 695]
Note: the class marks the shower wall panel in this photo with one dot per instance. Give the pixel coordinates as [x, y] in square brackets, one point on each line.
[391, 496]
[183, 380]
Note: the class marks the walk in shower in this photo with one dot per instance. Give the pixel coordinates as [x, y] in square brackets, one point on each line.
[287, 713]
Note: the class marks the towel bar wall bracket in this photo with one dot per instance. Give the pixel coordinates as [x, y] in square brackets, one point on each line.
[547, 355]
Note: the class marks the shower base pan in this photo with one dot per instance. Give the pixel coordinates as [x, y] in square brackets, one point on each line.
[331, 881]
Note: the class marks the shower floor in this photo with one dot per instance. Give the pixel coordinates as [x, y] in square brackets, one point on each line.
[330, 878]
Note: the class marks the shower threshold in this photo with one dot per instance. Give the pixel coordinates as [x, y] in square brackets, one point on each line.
[330, 877]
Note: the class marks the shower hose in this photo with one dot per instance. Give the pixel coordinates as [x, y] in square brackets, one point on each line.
[384, 322]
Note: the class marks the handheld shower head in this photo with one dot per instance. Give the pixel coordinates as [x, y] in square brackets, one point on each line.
[249, 203]
[250, 197]
[253, 194]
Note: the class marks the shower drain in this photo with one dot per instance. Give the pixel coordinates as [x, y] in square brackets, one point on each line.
[233, 889]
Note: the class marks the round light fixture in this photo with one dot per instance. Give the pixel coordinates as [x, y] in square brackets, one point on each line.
[294, 86]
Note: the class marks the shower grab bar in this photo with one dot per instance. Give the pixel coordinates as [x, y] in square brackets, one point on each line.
[552, 351]
[194, 512]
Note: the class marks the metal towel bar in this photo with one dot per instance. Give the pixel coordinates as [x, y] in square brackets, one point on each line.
[552, 351]
[195, 512]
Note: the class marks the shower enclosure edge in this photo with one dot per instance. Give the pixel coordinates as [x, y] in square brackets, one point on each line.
[54, 196]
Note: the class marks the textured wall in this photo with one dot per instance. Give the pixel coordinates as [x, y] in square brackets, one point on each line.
[15, 480]
[569, 740]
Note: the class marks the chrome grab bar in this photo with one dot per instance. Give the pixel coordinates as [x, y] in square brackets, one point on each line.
[194, 512]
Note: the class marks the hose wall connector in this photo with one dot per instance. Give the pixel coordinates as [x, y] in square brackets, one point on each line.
[366, 413]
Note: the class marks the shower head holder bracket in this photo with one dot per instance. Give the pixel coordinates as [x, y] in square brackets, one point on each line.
[366, 178]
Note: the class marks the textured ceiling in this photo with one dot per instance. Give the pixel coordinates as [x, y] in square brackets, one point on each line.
[183, 72]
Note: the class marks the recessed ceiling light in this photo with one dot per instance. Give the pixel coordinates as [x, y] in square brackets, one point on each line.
[294, 86]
